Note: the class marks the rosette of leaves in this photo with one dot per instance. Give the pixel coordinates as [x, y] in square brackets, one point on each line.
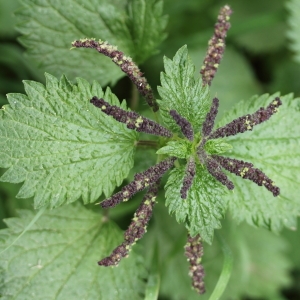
[62, 147]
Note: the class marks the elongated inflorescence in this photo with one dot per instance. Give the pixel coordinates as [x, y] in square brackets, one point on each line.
[184, 124]
[214, 168]
[247, 122]
[215, 163]
[209, 122]
[132, 119]
[136, 229]
[247, 171]
[188, 178]
[126, 65]
[194, 253]
[141, 181]
[216, 46]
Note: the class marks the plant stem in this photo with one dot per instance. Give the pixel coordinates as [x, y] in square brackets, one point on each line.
[226, 270]
[134, 101]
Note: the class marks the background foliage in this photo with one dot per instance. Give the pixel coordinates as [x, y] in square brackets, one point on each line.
[262, 56]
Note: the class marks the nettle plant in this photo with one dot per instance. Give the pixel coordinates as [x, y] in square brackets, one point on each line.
[67, 141]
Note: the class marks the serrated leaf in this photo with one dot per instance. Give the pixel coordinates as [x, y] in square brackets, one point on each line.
[180, 91]
[294, 24]
[203, 208]
[180, 149]
[49, 29]
[57, 258]
[146, 24]
[60, 145]
[274, 148]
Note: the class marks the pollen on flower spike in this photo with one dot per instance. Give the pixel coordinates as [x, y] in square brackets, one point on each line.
[136, 229]
[247, 171]
[247, 122]
[132, 119]
[188, 178]
[194, 253]
[141, 181]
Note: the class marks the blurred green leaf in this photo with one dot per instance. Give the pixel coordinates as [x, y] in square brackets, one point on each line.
[294, 24]
[7, 20]
[49, 29]
[57, 258]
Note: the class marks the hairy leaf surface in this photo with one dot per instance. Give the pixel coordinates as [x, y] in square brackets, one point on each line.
[60, 145]
[203, 208]
[273, 147]
[180, 91]
[49, 28]
[57, 258]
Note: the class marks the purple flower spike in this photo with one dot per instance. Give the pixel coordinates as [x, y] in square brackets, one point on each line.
[188, 178]
[141, 181]
[247, 171]
[184, 124]
[136, 229]
[125, 63]
[216, 46]
[210, 118]
[214, 168]
[194, 253]
[132, 119]
[247, 122]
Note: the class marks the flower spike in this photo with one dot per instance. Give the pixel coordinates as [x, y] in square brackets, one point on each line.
[188, 178]
[141, 181]
[194, 253]
[126, 65]
[247, 122]
[136, 229]
[247, 171]
[210, 118]
[184, 124]
[216, 46]
[214, 168]
[132, 119]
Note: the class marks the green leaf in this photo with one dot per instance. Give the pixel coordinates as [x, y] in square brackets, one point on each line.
[180, 91]
[60, 145]
[217, 146]
[49, 28]
[203, 208]
[294, 24]
[146, 24]
[180, 149]
[57, 258]
[274, 148]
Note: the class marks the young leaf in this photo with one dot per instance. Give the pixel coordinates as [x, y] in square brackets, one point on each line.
[180, 149]
[57, 258]
[60, 145]
[181, 92]
[274, 147]
[203, 208]
[49, 28]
